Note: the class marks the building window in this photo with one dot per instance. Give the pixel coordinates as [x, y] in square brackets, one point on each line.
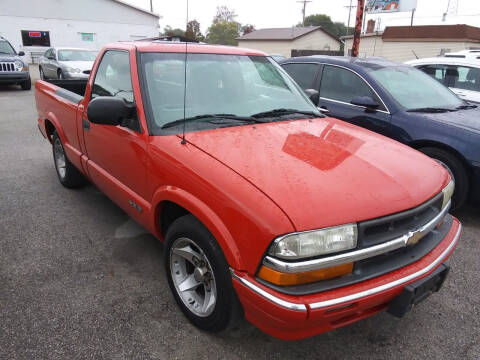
[35, 38]
[86, 36]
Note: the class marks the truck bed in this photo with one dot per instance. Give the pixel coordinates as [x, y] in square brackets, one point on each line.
[73, 90]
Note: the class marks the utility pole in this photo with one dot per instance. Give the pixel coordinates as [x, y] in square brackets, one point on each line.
[358, 28]
[186, 27]
[304, 9]
[151, 6]
[350, 7]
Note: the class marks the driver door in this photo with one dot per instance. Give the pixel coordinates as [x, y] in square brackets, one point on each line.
[117, 154]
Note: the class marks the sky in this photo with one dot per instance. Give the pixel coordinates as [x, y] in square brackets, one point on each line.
[286, 13]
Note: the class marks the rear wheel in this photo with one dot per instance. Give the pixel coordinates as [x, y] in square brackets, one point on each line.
[456, 170]
[199, 276]
[68, 174]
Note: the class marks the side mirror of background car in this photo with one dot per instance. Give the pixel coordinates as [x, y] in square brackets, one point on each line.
[365, 101]
[313, 95]
[109, 110]
[21, 53]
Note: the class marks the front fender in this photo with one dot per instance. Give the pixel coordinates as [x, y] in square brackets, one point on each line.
[202, 212]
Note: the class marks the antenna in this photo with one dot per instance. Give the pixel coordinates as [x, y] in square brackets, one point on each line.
[184, 95]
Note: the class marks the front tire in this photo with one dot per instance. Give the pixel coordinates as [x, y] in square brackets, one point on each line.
[457, 171]
[67, 173]
[27, 84]
[199, 276]
[42, 74]
[60, 75]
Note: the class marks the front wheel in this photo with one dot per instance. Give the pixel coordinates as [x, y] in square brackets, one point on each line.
[27, 84]
[456, 170]
[60, 75]
[199, 276]
[67, 173]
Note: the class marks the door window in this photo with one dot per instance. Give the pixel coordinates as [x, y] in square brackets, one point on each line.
[303, 74]
[468, 78]
[436, 71]
[113, 76]
[343, 85]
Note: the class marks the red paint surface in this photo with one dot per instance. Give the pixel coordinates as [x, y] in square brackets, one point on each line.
[248, 184]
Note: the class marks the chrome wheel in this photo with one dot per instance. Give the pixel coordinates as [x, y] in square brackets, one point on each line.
[59, 156]
[193, 277]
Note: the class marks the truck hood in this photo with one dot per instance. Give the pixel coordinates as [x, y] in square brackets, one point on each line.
[325, 172]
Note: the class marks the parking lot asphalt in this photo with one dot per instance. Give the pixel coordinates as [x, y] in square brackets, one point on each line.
[79, 279]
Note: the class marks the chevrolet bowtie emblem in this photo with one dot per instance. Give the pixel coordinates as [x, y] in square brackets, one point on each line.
[414, 237]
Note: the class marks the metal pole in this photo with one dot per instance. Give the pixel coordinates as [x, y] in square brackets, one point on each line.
[358, 28]
[186, 27]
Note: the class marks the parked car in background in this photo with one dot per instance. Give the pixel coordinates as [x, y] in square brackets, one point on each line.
[464, 54]
[462, 76]
[403, 103]
[13, 70]
[66, 63]
[303, 223]
[278, 58]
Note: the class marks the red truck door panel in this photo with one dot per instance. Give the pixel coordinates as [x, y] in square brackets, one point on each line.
[116, 154]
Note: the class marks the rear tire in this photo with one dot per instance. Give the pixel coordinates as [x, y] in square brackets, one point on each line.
[67, 173]
[456, 169]
[27, 84]
[192, 252]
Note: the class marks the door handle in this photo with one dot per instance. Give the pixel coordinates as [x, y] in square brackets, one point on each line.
[323, 109]
[86, 125]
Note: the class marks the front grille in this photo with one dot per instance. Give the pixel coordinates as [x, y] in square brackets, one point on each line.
[7, 66]
[376, 231]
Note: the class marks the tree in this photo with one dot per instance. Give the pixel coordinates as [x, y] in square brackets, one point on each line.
[168, 31]
[246, 29]
[193, 31]
[224, 29]
[336, 28]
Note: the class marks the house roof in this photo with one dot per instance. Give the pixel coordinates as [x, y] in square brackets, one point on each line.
[137, 8]
[290, 33]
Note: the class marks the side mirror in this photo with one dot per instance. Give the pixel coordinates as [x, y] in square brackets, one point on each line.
[109, 110]
[365, 101]
[21, 53]
[313, 95]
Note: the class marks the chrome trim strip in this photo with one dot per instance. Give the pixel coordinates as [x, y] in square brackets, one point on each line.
[267, 295]
[437, 261]
[315, 264]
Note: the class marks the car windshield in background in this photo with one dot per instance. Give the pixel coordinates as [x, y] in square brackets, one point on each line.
[415, 90]
[6, 48]
[235, 85]
[76, 55]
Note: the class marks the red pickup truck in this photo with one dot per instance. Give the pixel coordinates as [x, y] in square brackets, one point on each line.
[267, 209]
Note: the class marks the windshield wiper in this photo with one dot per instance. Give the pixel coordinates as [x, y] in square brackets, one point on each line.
[280, 112]
[209, 117]
[3, 52]
[431, 110]
[466, 106]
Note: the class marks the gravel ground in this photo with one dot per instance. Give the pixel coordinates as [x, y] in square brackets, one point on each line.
[80, 279]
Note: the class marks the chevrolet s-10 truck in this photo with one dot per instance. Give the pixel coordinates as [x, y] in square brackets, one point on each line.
[267, 209]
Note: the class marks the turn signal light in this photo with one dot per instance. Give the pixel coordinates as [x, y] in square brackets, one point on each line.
[286, 279]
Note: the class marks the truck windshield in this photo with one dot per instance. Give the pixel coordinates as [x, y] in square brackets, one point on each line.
[413, 89]
[76, 55]
[238, 85]
[6, 48]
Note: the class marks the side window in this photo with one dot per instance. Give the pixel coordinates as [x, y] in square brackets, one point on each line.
[303, 74]
[467, 78]
[343, 85]
[113, 76]
[438, 72]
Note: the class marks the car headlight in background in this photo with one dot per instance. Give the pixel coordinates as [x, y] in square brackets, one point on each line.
[18, 65]
[448, 193]
[316, 242]
[73, 70]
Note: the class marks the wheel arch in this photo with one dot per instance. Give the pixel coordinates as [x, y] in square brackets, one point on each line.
[171, 202]
[52, 124]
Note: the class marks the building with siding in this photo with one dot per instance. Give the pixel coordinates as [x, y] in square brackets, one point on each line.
[33, 26]
[403, 43]
[281, 41]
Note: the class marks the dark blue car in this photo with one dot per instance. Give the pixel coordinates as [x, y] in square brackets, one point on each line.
[400, 102]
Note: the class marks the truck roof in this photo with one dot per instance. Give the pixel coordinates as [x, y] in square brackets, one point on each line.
[169, 46]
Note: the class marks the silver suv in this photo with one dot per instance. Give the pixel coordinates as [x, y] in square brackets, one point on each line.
[13, 70]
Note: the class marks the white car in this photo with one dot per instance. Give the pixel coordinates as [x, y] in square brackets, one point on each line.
[464, 54]
[462, 76]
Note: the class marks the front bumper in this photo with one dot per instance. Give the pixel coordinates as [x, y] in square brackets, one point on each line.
[295, 317]
[76, 75]
[13, 77]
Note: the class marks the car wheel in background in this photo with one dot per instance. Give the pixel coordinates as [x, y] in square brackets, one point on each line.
[68, 174]
[42, 75]
[199, 276]
[60, 75]
[27, 84]
[457, 171]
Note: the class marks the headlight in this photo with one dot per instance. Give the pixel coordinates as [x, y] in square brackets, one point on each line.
[73, 70]
[448, 193]
[316, 242]
[18, 65]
